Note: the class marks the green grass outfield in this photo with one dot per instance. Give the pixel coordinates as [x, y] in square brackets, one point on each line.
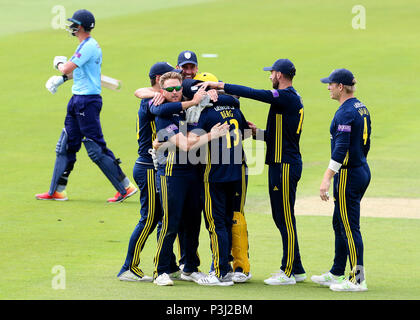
[89, 237]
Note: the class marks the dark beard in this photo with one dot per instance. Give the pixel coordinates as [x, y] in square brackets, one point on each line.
[275, 84]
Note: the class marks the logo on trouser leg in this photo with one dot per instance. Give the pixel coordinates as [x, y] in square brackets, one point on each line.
[357, 274]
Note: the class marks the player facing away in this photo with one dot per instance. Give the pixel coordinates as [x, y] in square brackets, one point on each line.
[223, 184]
[82, 122]
[144, 174]
[282, 135]
[350, 143]
[240, 247]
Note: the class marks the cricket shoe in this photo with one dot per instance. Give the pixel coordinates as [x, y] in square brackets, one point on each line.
[280, 278]
[163, 280]
[130, 276]
[131, 189]
[241, 277]
[347, 285]
[192, 276]
[327, 279]
[213, 280]
[300, 277]
[59, 196]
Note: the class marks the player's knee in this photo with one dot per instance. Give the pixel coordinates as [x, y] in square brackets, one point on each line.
[93, 149]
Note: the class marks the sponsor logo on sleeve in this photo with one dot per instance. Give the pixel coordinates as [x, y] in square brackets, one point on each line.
[344, 128]
[275, 93]
[171, 128]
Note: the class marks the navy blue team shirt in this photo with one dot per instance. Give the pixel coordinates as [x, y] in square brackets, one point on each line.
[284, 121]
[146, 125]
[146, 131]
[225, 163]
[350, 134]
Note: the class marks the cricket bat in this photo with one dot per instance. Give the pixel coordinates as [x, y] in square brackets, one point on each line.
[110, 83]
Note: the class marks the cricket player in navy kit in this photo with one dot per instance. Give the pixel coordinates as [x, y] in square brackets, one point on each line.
[82, 123]
[178, 183]
[350, 143]
[282, 135]
[222, 181]
[240, 247]
[144, 174]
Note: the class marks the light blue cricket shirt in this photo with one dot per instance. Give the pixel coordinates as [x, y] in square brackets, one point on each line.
[87, 77]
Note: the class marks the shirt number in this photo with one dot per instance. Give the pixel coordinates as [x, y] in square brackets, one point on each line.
[299, 129]
[365, 131]
[235, 124]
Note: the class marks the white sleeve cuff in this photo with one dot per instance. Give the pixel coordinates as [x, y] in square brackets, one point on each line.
[334, 165]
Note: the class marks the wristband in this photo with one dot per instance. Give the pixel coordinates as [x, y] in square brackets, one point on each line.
[334, 166]
[65, 78]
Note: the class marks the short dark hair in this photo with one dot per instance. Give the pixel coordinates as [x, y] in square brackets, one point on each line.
[290, 76]
[153, 81]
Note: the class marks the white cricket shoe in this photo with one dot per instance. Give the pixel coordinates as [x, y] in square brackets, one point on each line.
[280, 278]
[212, 280]
[300, 277]
[327, 279]
[163, 280]
[241, 277]
[192, 276]
[130, 276]
[347, 285]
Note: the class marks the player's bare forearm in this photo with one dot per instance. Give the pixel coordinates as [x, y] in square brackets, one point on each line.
[325, 184]
[144, 93]
[67, 68]
[195, 142]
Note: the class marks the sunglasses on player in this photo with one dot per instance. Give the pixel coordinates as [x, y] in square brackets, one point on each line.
[170, 89]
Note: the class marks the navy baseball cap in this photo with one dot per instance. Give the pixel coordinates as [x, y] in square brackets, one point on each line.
[160, 68]
[187, 57]
[343, 76]
[282, 65]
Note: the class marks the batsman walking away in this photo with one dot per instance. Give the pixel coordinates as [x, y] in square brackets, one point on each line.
[82, 121]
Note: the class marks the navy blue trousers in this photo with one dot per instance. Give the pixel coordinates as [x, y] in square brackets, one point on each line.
[82, 120]
[219, 204]
[240, 188]
[181, 236]
[180, 199]
[150, 216]
[349, 187]
[282, 182]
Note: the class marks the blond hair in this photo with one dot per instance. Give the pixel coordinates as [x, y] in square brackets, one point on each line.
[350, 89]
[169, 75]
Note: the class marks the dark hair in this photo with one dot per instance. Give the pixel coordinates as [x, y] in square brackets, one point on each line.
[289, 76]
[153, 81]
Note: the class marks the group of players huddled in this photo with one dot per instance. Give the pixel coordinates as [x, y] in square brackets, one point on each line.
[191, 163]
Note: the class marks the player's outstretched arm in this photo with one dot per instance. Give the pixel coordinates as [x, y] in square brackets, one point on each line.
[145, 93]
[267, 96]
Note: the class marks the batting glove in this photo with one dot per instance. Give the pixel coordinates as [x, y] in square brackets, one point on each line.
[193, 113]
[53, 83]
[58, 60]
